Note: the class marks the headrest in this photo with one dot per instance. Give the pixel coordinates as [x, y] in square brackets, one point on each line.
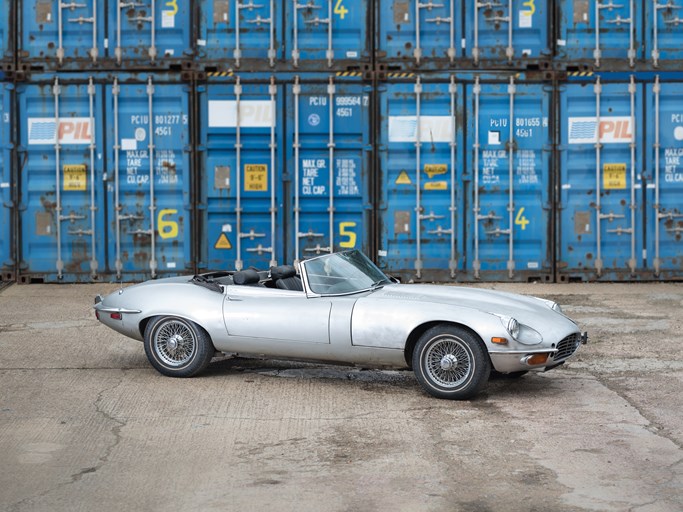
[248, 276]
[282, 272]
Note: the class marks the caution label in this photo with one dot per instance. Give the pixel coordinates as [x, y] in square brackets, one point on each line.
[74, 177]
[223, 242]
[436, 185]
[403, 179]
[614, 176]
[435, 169]
[255, 178]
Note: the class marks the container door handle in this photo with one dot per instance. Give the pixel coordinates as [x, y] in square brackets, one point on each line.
[331, 145]
[93, 205]
[56, 91]
[453, 264]
[115, 90]
[152, 199]
[272, 90]
[418, 165]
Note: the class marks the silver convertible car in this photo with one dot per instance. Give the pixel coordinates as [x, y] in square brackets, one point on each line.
[341, 308]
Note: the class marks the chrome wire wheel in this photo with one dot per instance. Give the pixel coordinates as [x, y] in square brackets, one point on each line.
[448, 361]
[174, 342]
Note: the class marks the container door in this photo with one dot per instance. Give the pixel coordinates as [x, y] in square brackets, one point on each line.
[421, 166]
[62, 207]
[664, 19]
[509, 207]
[594, 30]
[417, 32]
[240, 29]
[6, 32]
[59, 33]
[241, 168]
[507, 31]
[600, 182]
[326, 31]
[328, 144]
[665, 185]
[6, 204]
[149, 32]
[149, 180]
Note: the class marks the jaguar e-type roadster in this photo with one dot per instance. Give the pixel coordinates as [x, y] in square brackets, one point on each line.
[340, 308]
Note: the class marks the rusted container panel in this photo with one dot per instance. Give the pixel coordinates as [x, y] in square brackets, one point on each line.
[103, 35]
[599, 33]
[241, 196]
[664, 164]
[7, 262]
[7, 31]
[600, 211]
[149, 207]
[328, 160]
[62, 210]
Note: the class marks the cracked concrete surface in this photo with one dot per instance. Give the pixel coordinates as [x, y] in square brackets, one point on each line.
[86, 424]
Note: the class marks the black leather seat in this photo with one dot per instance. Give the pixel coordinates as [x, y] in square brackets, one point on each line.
[246, 277]
[285, 278]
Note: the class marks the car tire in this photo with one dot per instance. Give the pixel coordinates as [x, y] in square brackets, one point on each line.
[177, 347]
[451, 362]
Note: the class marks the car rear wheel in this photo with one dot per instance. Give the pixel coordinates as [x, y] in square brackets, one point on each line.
[451, 362]
[177, 347]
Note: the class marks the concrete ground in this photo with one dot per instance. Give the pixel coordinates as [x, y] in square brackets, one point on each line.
[86, 424]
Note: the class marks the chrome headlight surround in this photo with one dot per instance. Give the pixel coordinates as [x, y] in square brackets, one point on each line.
[552, 305]
[520, 332]
[511, 325]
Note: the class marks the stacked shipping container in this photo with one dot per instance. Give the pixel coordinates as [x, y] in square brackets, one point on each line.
[517, 140]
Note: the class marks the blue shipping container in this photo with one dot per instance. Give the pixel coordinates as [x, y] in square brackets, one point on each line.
[593, 31]
[235, 31]
[63, 234]
[328, 158]
[6, 32]
[148, 179]
[6, 182]
[417, 33]
[73, 35]
[508, 209]
[333, 32]
[421, 170]
[508, 32]
[664, 37]
[601, 205]
[664, 156]
[240, 152]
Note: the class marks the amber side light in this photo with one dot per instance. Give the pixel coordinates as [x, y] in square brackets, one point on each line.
[537, 359]
[499, 341]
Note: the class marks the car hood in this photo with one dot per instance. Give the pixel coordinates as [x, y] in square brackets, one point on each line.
[527, 310]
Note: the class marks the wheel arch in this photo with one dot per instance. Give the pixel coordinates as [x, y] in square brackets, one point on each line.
[418, 331]
[142, 326]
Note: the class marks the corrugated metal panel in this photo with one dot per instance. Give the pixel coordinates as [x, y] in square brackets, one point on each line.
[599, 33]
[59, 35]
[664, 156]
[421, 170]
[7, 22]
[148, 213]
[63, 235]
[509, 141]
[664, 34]
[241, 198]
[601, 196]
[327, 33]
[516, 32]
[328, 159]
[6, 200]
[240, 32]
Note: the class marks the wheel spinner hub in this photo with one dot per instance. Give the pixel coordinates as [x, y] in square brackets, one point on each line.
[174, 342]
[448, 362]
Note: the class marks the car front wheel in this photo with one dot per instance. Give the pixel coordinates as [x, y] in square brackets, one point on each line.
[451, 362]
[177, 347]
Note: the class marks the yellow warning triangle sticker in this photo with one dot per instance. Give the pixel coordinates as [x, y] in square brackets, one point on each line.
[403, 179]
[223, 242]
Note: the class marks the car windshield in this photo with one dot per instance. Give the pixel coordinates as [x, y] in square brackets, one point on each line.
[343, 272]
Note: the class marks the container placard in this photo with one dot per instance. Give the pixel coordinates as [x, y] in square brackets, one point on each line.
[255, 178]
[614, 176]
[74, 177]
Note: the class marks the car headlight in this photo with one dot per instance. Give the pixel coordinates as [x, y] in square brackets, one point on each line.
[552, 305]
[511, 325]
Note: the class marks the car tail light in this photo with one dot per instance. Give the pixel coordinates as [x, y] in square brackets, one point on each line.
[116, 316]
[97, 314]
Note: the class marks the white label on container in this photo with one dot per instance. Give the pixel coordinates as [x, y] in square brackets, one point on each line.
[525, 19]
[170, 264]
[566, 186]
[226, 228]
[201, 42]
[72, 130]
[432, 128]
[611, 130]
[532, 265]
[167, 19]
[129, 145]
[4, 184]
[561, 42]
[169, 53]
[106, 42]
[253, 114]
[651, 185]
[351, 55]
[494, 138]
[382, 254]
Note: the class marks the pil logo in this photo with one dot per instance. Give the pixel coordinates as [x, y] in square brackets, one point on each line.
[69, 131]
[609, 130]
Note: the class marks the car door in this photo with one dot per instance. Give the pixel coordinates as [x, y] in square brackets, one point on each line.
[276, 315]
